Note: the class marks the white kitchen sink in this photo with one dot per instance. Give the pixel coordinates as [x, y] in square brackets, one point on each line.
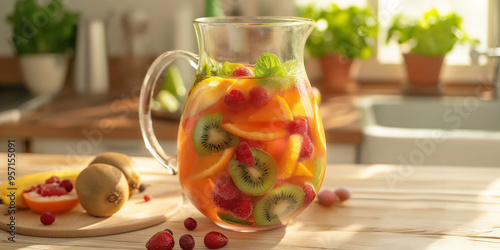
[430, 131]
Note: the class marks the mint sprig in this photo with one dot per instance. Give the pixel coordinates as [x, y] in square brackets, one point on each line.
[269, 65]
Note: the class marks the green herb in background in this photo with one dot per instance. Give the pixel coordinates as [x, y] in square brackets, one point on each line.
[350, 32]
[42, 28]
[432, 35]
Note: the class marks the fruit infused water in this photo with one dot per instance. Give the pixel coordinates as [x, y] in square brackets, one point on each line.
[251, 144]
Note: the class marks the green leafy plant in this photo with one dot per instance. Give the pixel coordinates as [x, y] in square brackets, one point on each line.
[350, 32]
[40, 28]
[432, 35]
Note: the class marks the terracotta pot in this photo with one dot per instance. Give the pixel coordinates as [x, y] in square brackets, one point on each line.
[423, 71]
[337, 72]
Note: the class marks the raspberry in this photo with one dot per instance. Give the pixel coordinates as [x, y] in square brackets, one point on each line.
[242, 71]
[307, 150]
[142, 188]
[309, 193]
[51, 190]
[187, 242]
[53, 179]
[214, 240]
[190, 224]
[298, 126]
[47, 218]
[258, 96]
[226, 188]
[147, 198]
[161, 240]
[343, 193]
[170, 231]
[67, 184]
[234, 99]
[244, 155]
[327, 197]
[242, 209]
[222, 203]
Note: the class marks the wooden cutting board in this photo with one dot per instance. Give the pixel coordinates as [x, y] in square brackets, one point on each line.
[135, 214]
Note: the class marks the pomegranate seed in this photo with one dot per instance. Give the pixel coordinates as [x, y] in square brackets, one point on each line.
[47, 218]
[53, 179]
[147, 198]
[67, 184]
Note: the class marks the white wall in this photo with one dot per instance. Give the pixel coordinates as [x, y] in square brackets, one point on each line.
[162, 13]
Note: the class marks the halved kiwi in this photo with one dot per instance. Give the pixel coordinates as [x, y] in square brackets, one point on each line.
[278, 206]
[209, 137]
[257, 179]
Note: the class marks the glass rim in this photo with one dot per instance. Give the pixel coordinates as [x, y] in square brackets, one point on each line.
[254, 21]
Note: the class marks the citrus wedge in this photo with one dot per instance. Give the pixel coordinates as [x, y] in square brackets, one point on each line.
[291, 155]
[53, 204]
[255, 131]
[206, 94]
[301, 170]
[215, 162]
[276, 110]
[317, 127]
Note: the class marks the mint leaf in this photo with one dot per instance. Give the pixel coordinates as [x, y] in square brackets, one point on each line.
[269, 65]
[292, 67]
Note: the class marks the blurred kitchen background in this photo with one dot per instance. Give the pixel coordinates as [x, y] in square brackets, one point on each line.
[375, 114]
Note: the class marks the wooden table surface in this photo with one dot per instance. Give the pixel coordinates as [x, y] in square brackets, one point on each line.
[392, 207]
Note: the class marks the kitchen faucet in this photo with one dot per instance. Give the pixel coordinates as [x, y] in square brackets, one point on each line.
[491, 52]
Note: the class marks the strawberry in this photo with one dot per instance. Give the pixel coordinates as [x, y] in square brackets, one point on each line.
[215, 240]
[160, 241]
[242, 209]
[244, 155]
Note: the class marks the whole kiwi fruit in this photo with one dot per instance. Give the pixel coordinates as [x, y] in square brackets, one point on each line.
[125, 164]
[102, 189]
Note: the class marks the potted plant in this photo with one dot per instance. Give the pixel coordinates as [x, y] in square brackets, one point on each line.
[341, 36]
[41, 37]
[425, 42]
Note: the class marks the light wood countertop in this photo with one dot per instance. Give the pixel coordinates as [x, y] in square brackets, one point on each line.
[392, 207]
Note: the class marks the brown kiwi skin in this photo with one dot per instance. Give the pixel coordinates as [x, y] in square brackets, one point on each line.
[125, 164]
[101, 189]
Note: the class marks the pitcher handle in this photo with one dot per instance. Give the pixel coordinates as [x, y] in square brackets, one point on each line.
[154, 72]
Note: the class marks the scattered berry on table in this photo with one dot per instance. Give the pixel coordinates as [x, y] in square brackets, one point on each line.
[161, 240]
[186, 242]
[170, 231]
[53, 179]
[327, 197]
[190, 224]
[258, 96]
[343, 193]
[234, 99]
[47, 218]
[67, 184]
[147, 198]
[244, 155]
[242, 71]
[215, 240]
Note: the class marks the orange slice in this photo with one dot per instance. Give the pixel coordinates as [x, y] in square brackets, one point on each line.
[291, 155]
[53, 204]
[317, 126]
[206, 94]
[276, 110]
[301, 170]
[215, 162]
[255, 131]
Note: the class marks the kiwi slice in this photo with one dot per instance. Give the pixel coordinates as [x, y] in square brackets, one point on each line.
[231, 220]
[209, 137]
[257, 179]
[319, 172]
[279, 205]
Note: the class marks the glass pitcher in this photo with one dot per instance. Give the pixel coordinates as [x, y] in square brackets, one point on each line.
[251, 144]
